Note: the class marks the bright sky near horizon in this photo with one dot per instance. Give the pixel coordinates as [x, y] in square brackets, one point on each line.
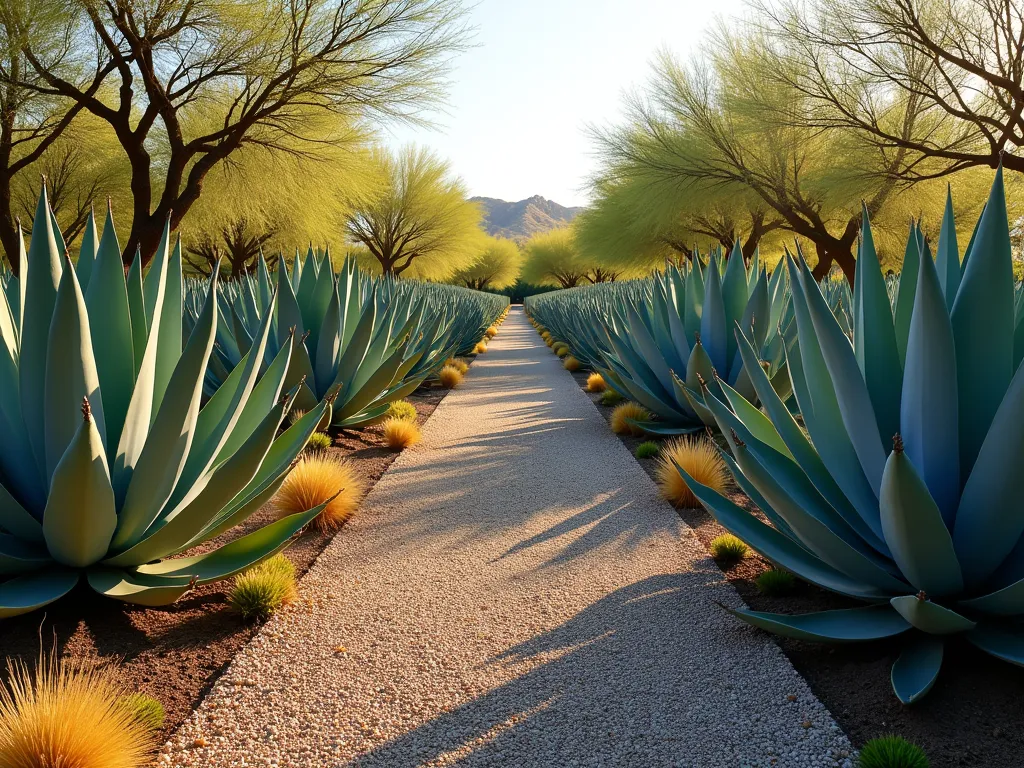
[541, 72]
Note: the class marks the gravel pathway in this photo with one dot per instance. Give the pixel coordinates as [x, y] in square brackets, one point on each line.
[514, 593]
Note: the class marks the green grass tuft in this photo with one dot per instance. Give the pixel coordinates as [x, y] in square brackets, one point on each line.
[647, 450]
[319, 442]
[892, 751]
[261, 591]
[611, 397]
[728, 550]
[145, 709]
[776, 583]
[402, 409]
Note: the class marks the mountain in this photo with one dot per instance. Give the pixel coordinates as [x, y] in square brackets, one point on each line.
[520, 220]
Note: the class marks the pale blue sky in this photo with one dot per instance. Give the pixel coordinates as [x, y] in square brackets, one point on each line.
[541, 71]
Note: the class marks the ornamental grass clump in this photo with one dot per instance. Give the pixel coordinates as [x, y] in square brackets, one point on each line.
[264, 589]
[402, 409]
[610, 398]
[480, 348]
[647, 450]
[491, 332]
[892, 751]
[319, 442]
[146, 709]
[625, 419]
[325, 481]
[64, 714]
[904, 492]
[571, 364]
[450, 377]
[698, 457]
[775, 582]
[728, 549]
[400, 434]
[462, 365]
[596, 383]
[561, 349]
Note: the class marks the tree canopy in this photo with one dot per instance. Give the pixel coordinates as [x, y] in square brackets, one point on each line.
[497, 265]
[419, 223]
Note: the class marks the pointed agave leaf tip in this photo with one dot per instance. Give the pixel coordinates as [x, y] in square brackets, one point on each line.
[736, 439]
[897, 443]
[696, 335]
[86, 410]
[703, 384]
[302, 380]
[922, 596]
[304, 337]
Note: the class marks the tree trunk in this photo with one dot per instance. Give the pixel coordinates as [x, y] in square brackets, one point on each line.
[8, 225]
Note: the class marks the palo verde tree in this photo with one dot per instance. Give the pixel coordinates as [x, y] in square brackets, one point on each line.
[271, 201]
[497, 265]
[959, 63]
[556, 258]
[716, 123]
[420, 222]
[259, 66]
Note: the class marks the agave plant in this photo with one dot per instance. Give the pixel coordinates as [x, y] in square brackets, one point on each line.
[365, 341]
[109, 467]
[904, 491]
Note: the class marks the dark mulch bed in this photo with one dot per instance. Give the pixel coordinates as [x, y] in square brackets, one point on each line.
[175, 654]
[971, 718]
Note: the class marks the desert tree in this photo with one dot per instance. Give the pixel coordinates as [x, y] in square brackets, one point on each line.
[420, 222]
[857, 62]
[257, 66]
[555, 257]
[267, 201]
[497, 265]
[717, 122]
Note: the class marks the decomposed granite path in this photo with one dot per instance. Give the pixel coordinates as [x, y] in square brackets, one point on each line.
[513, 593]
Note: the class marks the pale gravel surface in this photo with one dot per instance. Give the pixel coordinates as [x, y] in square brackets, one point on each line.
[514, 593]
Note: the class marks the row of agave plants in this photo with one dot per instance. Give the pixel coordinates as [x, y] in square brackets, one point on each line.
[879, 430]
[143, 415]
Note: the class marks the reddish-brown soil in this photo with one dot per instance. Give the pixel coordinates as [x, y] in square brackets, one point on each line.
[970, 719]
[176, 653]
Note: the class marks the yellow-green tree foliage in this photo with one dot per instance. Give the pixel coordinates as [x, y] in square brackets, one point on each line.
[274, 200]
[556, 257]
[497, 265]
[419, 223]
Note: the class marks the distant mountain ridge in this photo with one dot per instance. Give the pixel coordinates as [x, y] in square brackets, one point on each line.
[523, 218]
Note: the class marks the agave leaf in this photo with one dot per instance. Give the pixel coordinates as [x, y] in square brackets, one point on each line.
[930, 617]
[875, 348]
[289, 316]
[87, 250]
[70, 371]
[236, 556]
[905, 296]
[138, 590]
[929, 408]
[755, 496]
[714, 327]
[27, 593]
[18, 556]
[80, 515]
[917, 668]
[328, 345]
[1005, 643]
[982, 319]
[914, 529]
[163, 285]
[984, 533]
[16, 519]
[947, 254]
[137, 310]
[110, 322]
[735, 296]
[842, 375]
[756, 422]
[849, 625]
[41, 279]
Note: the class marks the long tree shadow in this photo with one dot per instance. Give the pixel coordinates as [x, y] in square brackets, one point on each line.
[618, 680]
